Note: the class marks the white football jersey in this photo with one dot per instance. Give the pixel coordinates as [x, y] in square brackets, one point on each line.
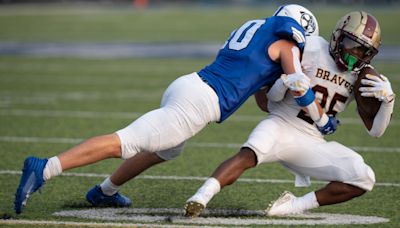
[333, 88]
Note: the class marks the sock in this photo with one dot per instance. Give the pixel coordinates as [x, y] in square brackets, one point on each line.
[306, 202]
[207, 191]
[109, 188]
[53, 168]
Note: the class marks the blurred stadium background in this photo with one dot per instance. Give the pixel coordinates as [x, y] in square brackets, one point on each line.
[206, 2]
[73, 69]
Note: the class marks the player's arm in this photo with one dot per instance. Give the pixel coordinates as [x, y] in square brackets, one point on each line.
[299, 84]
[380, 88]
[261, 99]
[277, 91]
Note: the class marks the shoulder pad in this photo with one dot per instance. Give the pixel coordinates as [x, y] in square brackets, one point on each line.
[287, 28]
[316, 43]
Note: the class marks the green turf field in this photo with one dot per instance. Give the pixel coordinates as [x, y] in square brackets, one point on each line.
[49, 104]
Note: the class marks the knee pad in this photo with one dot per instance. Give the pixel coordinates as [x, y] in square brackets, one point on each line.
[171, 153]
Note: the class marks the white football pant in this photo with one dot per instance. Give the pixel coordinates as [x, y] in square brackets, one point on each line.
[187, 106]
[274, 140]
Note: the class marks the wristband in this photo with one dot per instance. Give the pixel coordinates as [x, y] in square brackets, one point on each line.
[306, 99]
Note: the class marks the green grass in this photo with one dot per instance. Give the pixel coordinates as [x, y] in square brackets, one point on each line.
[136, 86]
[47, 84]
[54, 24]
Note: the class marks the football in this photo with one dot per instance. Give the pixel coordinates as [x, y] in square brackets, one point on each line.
[367, 107]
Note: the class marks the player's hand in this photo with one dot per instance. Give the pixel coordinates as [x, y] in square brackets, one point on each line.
[378, 87]
[329, 127]
[298, 83]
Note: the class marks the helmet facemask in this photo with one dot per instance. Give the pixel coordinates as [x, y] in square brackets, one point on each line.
[355, 41]
[353, 53]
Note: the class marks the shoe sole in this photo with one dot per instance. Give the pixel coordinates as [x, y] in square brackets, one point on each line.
[193, 209]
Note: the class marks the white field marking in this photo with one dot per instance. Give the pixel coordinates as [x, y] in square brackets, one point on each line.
[23, 139]
[56, 11]
[133, 115]
[187, 178]
[89, 224]
[115, 69]
[73, 114]
[78, 96]
[217, 217]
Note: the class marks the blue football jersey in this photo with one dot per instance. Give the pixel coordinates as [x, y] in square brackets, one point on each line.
[243, 66]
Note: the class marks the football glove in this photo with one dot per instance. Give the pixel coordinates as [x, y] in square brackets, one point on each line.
[330, 126]
[378, 87]
[296, 82]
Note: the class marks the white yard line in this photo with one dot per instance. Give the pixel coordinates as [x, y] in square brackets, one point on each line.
[224, 217]
[89, 224]
[23, 139]
[74, 114]
[187, 178]
[217, 216]
[134, 115]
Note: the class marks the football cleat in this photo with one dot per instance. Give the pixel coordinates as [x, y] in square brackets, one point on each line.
[282, 206]
[98, 199]
[31, 181]
[193, 209]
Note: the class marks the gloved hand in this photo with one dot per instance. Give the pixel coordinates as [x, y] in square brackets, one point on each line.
[297, 82]
[329, 127]
[380, 88]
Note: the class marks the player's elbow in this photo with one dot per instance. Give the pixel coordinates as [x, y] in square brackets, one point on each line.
[376, 133]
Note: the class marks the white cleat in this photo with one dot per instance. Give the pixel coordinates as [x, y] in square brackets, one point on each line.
[282, 206]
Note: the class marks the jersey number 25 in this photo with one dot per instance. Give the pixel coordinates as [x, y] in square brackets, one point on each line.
[325, 94]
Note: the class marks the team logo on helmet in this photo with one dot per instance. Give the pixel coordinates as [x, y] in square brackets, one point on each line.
[307, 22]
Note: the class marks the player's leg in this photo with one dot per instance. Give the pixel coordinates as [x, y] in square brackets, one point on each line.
[337, 192]
[106, 194]
[347, 172]
[353, 177]
[230, 170]
[144, 134]
[36, 170]
[189, 105]
[90, 151]
[226, 173]
[262, 138]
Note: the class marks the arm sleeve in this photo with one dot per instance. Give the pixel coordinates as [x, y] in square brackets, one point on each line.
[277, 91]
[382, 119]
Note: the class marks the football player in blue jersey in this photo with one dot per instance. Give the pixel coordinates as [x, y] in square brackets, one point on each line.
[254, 56]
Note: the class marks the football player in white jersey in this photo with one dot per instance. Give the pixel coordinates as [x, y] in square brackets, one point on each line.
[289, 137]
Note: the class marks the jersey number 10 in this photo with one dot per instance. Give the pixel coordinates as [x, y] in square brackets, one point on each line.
[242, 36]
